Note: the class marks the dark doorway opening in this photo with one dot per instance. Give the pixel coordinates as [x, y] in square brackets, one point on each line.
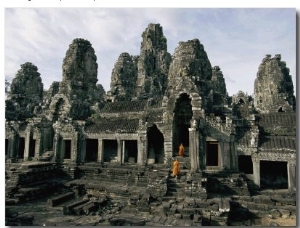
[21, 147]
[183, 134]
[212, 153]
[110, 150]
[273, 175]
[6, 147]
[67, 152]
[245, 164]
[182, 116]
[155, 145]
[91, 150]
[131, 151]
[31, 147]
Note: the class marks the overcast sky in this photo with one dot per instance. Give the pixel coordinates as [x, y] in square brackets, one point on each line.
[235, 39]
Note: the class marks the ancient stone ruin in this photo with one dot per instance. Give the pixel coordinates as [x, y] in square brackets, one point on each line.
[77, 155]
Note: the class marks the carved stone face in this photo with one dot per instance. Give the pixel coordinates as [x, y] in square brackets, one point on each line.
[185, 71]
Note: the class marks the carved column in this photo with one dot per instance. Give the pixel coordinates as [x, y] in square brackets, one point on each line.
[56, 147]
[75, 156]
[256, 170]
[123, 151]
[57, 142]
[119, 156]
[38, 146]
[100, 150]
[194, 149]
[142, 147]
[27, 143]
[292, 174]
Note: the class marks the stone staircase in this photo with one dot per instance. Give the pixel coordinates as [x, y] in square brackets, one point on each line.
[31, 180]
[226, 184]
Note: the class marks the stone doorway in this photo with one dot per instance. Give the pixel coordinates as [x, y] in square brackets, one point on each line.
[155, 145]
[245, 164]
[110, 150]
[273, 175]
[21, 147]
[31, 148]
[91, 150]
[67, 149]
[182, 116]
[131, 151]
[212, 153]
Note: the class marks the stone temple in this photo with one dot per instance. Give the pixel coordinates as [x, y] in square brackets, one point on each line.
[77, 150]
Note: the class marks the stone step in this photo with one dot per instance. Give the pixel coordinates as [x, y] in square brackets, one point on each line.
[60, 199]
[68, 209]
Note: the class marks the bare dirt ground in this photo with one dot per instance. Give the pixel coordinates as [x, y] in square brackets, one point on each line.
[279, 221]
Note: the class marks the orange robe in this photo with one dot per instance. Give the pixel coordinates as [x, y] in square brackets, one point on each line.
[175, 168]
[181, 150]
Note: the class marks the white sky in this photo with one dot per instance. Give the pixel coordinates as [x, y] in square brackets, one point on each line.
[236, 39]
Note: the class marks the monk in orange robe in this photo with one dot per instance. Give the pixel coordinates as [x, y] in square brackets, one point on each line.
[175, 168]
[181, 150]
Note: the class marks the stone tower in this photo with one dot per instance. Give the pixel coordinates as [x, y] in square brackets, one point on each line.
[218, 95]
[77, 91]
[26, 93]
[153, 63]
[190, 60]
[79, 69]
[273, 87]
[123, 79]
[218, 81]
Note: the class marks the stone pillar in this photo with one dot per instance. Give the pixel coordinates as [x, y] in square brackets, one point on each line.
[75, 157]
[256, 171]
[27, 144]
[38, 143]
[119, 156]
[100, 150]
[37, 151]
[291, 168]
[56, 147]
[123, 151]
[221, 154]
[194, 149]
[145, 154]
[142, 148]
